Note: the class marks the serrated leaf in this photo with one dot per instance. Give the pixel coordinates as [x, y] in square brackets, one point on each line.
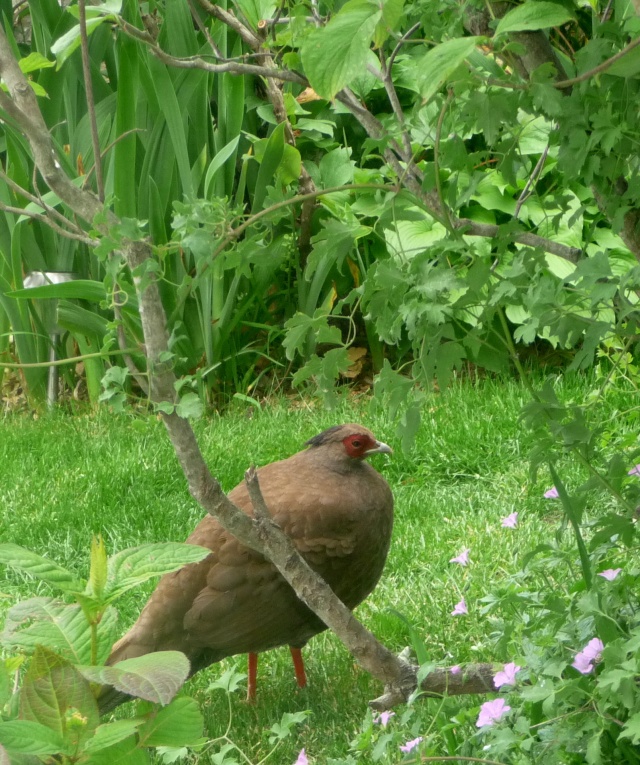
[108, 734]
[155, 677]
[56, 695]
[42, 568]
[131, 567]
[60, 626]
[535, 14]
[178, 724]
[334, 55]
[438, 64]
[632, 729]
[26, 737]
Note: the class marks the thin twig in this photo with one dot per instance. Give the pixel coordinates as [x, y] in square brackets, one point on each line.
[400, 43]
[526, 191]
[392, 95]
[91, 106]
[252, 482]
[45, 220]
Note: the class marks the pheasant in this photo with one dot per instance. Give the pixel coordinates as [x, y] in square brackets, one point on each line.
[338, 512]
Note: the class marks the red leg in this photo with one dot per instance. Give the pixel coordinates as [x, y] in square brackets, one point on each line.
[252, 679]
[298, 665]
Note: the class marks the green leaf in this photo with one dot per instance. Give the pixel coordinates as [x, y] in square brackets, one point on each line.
[112, 733]
[438, 64]
[392, 14]
[79, 289]
[156, 677]
[269, 163]
[55, 694]
[59, 626]
[535, 14]
[334, 55]
[34, 62]
[5, 684]
[217, 163]
[39, 567]
[178, 724]
[64, 46]
[98, 569]
[632, 729]
[26, 737]
[131, 567]
[190, 406]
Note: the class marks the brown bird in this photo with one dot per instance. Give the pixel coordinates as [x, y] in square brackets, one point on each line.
[339, 513]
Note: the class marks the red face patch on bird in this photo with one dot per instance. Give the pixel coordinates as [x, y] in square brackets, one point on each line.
[361, 445]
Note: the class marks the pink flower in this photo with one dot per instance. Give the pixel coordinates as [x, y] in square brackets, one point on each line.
[491, 712]
[584, 660]
[610, 574]
[511, 521]
[302, 758]
[410, 744]
[460, 608]
[456, 669]
[551, 493]
[635, 470]
[383, 718]
[507, 676]
[463, 558]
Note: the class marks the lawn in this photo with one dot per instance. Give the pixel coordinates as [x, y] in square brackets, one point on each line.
[66, 477]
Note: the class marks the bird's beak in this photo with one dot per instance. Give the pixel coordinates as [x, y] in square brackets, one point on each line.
[379, 448]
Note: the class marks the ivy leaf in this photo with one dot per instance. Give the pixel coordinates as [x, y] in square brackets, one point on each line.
[334, 55]
[535, 14]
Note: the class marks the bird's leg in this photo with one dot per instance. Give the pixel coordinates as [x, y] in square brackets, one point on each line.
[252, 679]
[298, 665]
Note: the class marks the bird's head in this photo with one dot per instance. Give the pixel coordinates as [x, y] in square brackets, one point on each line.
[356, 441]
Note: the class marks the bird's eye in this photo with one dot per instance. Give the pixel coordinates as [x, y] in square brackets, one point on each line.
[356, 443]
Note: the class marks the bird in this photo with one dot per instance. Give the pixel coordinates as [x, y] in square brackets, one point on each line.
[337, 510]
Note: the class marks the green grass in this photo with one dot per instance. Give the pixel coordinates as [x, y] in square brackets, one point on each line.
[66, 477]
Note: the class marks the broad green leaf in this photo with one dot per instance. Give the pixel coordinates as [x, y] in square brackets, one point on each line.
[631, 729]
[55, 694]
[392, 13]
[334, 55]
[64, 46]
[34, 62]
[39, 567]
[124, 752]
[534, 14]
[190, 406]
[102, 9]
[131, 567]
[178, 724]
[111, 733]
[628, 65]
[79, 289]
[438, 64]
[217, 163]
[257, 10]
[59, 626]
[156, 677]
[26, 737]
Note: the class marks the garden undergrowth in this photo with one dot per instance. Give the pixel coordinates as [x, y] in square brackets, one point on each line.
[67, 477]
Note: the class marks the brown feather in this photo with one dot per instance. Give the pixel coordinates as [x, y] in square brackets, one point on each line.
[339, 513]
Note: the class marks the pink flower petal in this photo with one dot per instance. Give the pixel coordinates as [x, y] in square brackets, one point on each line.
[463, 558]
[584, 660]
[511, 521]
[507, 676]
[491, 712]
[635, 470]
[383, 718]
[610, 574]
[456, 669]
[302, 758]
[460, 608]
[410, 744]
[551, 493]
